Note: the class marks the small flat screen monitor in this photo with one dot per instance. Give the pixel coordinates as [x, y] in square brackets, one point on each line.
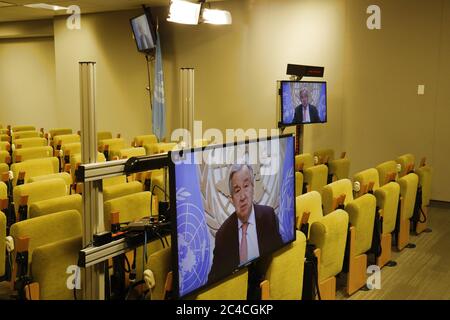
[143, 33]
[234, 204]
[303, 102]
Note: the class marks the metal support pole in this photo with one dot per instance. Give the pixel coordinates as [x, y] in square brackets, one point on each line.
[187, 102]
[93, 280]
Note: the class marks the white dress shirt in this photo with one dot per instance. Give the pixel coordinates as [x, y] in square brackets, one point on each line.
[305, 111]
[252, 237]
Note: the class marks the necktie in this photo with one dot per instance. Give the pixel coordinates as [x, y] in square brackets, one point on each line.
[304, 114]
[243, 248]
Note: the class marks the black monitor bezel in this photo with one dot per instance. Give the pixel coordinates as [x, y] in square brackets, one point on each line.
[174, 222]
[151, 24]
[281, 124]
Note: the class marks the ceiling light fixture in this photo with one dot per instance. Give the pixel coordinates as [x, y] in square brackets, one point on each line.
[215, 16]
[45, 6]
[186, 12]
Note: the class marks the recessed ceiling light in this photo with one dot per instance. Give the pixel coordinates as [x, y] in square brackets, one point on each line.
[45, 6]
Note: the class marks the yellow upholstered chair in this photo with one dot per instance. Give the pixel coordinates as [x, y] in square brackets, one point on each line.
[333, 191]
[2, 244]
[75, 162]
[387, 172]
[50, 265]
[23, 128]
[111, 147]
[233, 287]
[424, 172]
[387, 202]
[122, 189]
[29, 143]
[103, 135]
[58, 132]
[129, 208]
[408, 190]
[329, 235]
[361, 213]
[34, 167]
[5, 146]
[26, 194]
[308, 208]
[407, 164]
[24, 134]
[64, 203]
[29, 235]
[337, 168]
[61, 175]
[161, 147]
[140, 141]
[5, 157]
[280, 284]
[66, 151]
[131, 152]
[60, 140]
[298, 183]
[3, 168]
[20, 155]
[314, 176]
[160, 263]
[5, 138]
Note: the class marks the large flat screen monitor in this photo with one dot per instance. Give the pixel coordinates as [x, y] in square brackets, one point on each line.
[143, 33]
[303, 102]
[234, 204]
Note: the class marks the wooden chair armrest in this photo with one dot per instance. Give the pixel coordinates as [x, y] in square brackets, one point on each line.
[265, 290]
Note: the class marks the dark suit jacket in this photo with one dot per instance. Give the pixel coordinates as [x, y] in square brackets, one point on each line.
[226, 251]
[313, 114]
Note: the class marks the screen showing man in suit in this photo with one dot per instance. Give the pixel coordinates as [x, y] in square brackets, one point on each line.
[303, 102]
[142, 33]
[232, 208]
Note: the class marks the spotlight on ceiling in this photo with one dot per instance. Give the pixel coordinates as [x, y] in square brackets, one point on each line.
[45, 6]
[186, 12]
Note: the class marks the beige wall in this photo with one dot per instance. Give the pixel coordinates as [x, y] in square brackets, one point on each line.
[122, 102]
[237, 66]
[27, 82]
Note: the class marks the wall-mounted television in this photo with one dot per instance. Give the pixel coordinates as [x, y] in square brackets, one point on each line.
[303, 102]
[144, 32]
[235, 203]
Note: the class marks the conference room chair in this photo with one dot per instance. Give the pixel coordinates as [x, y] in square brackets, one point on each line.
[234, 287]
[387, 204]
[75, 162]
[131, 152]
[102, 135]
[3, 168]
[5, 137]
[24, 134]
[67, 150]
[160, 147]
[5, 146]
[60, 140]
[111, 147]
[142, 140]
[64, 203]
[121, 189]
[308, 208]
[61, 175]
[20, 155]
[24, 171]
[424, 173]
[388, 172]
[29, 143]
[314, 176]
[5, 131]
[26, 194]
[284, 276]
[298, 183]
[361, 211]
[5, 157]
[329, 236]
[160, 266]
[40, 255]
[58, 132]
[3, 256]
[337, 168]
[23, 128]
